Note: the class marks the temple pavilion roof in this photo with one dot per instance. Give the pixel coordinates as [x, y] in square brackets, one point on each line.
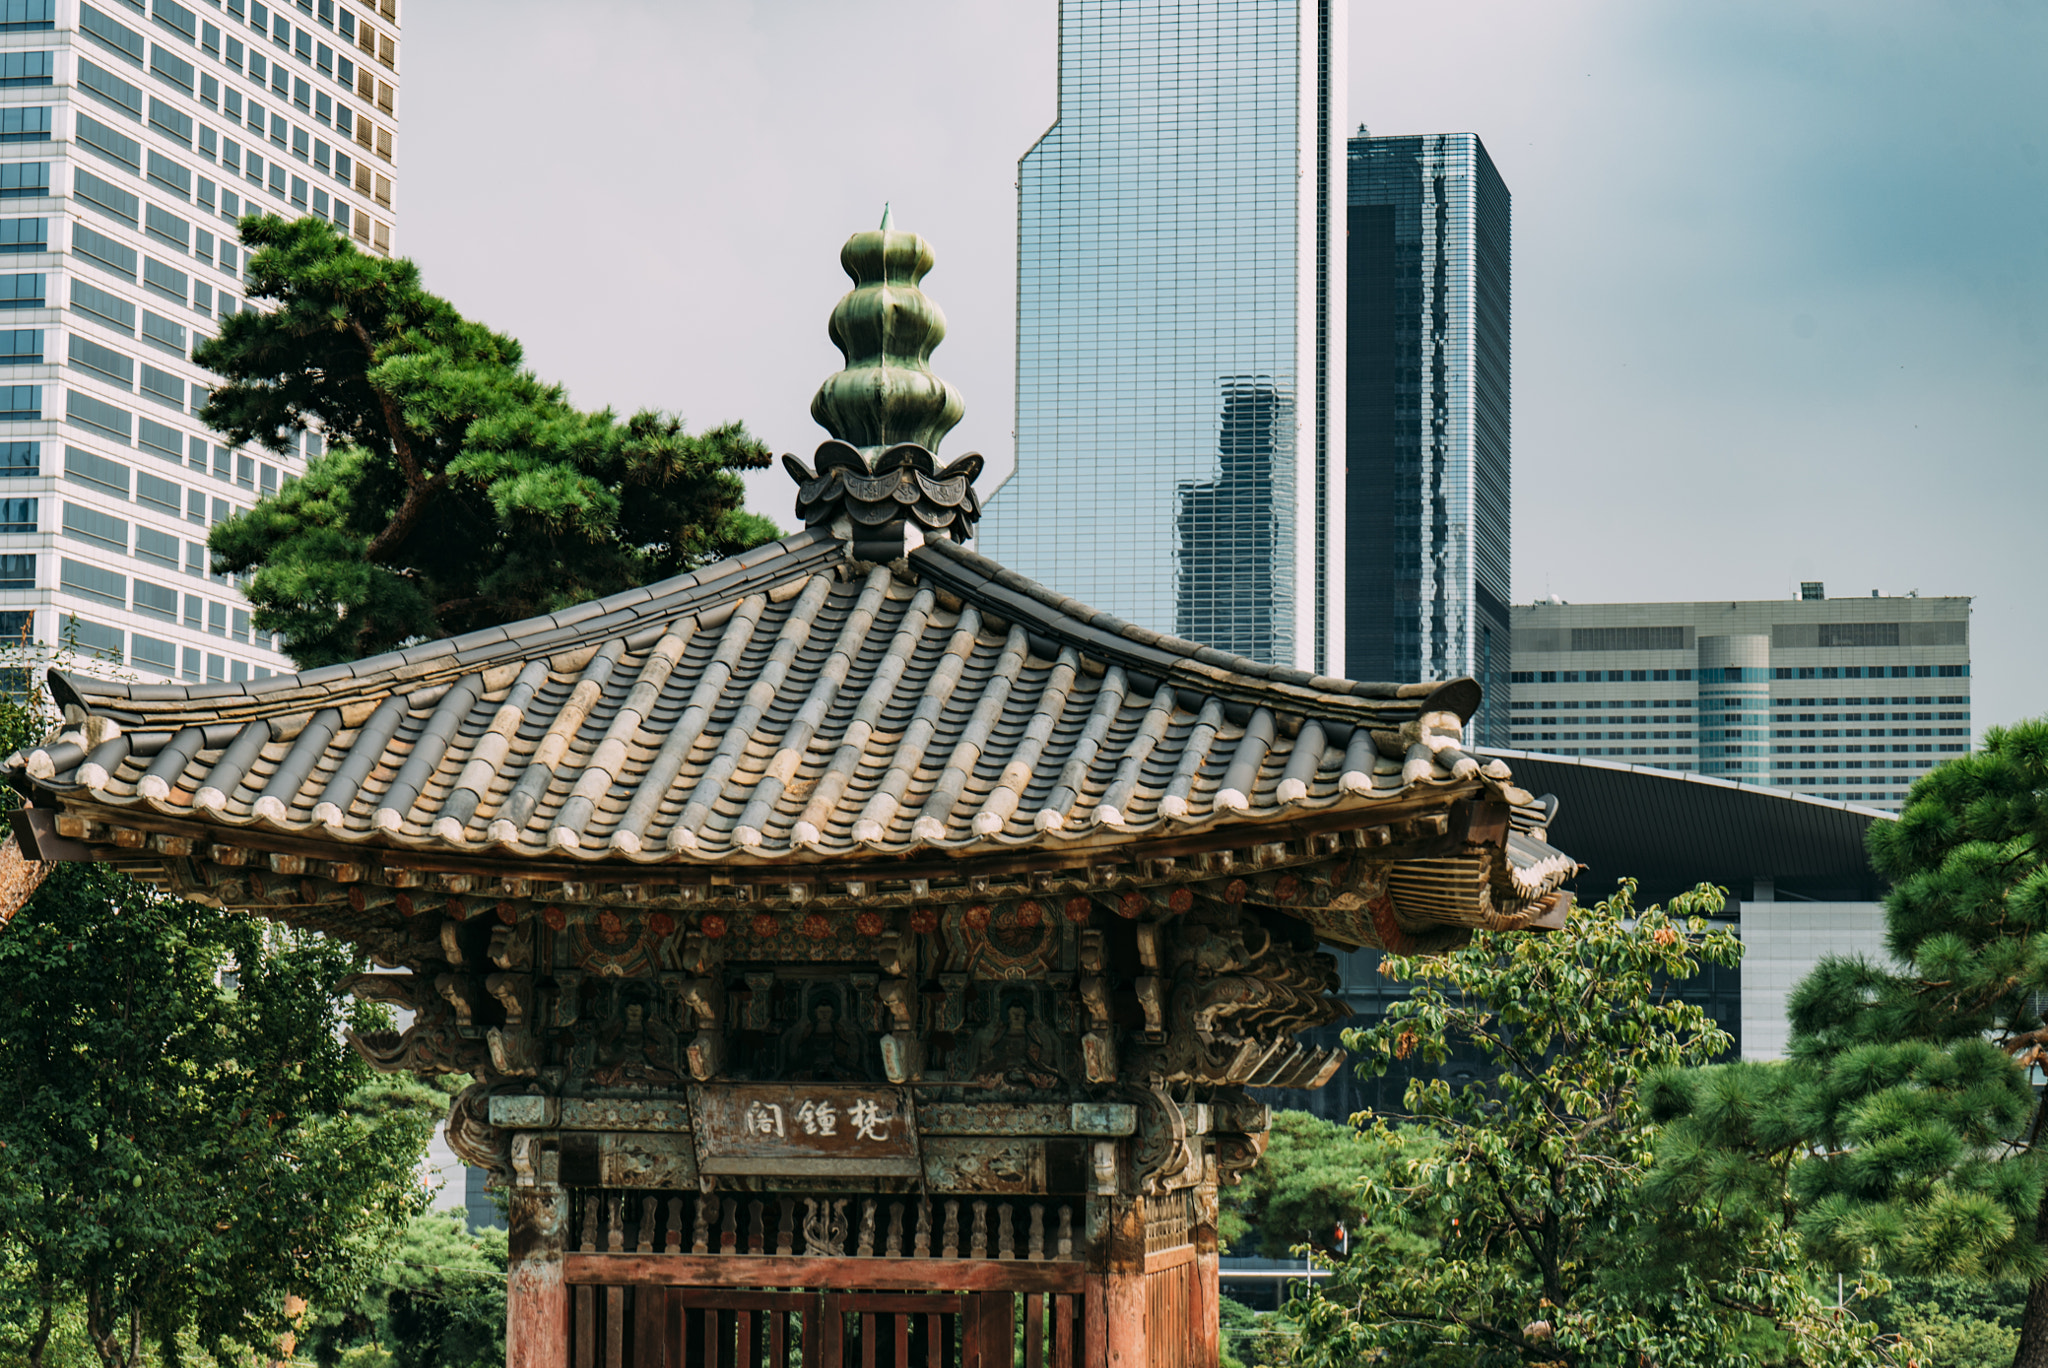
[780, 707]
[865, 709]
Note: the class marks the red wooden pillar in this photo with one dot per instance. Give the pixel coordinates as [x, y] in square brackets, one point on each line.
[536, 1300]
[1123, 1284]
[1208, 1336]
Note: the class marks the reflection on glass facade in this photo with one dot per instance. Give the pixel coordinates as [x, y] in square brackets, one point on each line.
[1427, 416]
[1233, 530]
[1176, 399]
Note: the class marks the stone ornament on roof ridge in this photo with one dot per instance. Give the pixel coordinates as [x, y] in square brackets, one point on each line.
[878, 484]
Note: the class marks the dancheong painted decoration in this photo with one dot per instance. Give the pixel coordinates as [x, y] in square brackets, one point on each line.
[858, 951]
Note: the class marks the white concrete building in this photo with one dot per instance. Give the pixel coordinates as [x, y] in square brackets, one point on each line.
[133, 135]
[1781, 942]
[1787, 693]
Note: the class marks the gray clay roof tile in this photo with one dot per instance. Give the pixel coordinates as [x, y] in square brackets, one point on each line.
[785, 705]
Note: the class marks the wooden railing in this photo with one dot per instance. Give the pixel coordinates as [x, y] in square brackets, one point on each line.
[743, 1280]
[825, 1225]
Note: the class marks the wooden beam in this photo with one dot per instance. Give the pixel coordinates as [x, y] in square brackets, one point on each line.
[1066, 858]
[1124, 1302]
[1208, 1288]
[774, 1270]
[1170, 1258]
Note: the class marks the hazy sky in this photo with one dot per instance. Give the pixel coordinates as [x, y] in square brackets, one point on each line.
[1780, 270]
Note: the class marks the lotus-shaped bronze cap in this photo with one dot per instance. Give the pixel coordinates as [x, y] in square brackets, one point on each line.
[886, 411]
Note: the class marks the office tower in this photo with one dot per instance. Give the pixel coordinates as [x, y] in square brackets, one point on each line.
[1849, 698]
[1428, 334]
[1179, 396]
[131, 140]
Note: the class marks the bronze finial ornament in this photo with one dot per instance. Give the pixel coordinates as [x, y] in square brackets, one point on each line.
[886, 411]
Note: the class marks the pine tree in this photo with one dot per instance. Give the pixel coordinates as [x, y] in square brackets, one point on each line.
[438, 1302]
[1906, 1118]
[457, 490]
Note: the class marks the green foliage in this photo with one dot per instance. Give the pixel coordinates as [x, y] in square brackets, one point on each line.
[1905, 1122]
[438, 1302]
[458, 490]
[179, 1148]
[1529, 1235]
[185, 1143]
[1306, 1187]
[1954, 1322]
[1253, 1339]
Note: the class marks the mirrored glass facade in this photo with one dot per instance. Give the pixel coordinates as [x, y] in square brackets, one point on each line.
[1177, 400]
[1428, 419]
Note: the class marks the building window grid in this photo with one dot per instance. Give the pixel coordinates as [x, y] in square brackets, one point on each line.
[212, 96]
[1852, 782]
[1227, 417]
[149, 653]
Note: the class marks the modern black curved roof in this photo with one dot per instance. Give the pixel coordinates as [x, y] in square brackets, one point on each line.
[1671, 830]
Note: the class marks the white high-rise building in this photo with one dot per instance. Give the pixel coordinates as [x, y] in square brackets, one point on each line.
[133, 135]
[1180, 297]
[1785, 692]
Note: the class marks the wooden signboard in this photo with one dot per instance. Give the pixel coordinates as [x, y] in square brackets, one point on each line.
[804, 1130]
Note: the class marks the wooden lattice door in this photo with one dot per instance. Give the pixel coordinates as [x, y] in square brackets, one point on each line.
[653, 1326]
[719, 1328]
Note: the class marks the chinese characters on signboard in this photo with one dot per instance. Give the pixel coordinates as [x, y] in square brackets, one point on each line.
[865, 1119]
[803, 1128]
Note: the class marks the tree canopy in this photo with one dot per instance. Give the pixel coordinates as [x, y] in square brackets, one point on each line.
[1906, 1121]
[185, 1140]
[457, 490]
[438, 1301]
[1305, 1190]
[1527, 1235]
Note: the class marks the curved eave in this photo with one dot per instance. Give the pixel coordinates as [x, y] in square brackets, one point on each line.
[788, 707]
[1334, 812]
[1069, 622]
[637, 616]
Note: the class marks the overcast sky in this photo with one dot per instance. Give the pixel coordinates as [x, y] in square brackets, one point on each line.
[1779, 269]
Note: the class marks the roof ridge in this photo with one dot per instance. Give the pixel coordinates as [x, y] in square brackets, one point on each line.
[1172, 654]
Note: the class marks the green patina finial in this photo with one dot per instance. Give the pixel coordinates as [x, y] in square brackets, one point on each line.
[886, 328]
[877, 484]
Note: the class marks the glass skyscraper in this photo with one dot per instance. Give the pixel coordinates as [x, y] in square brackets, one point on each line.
[1179, 398]
[1427, 417]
